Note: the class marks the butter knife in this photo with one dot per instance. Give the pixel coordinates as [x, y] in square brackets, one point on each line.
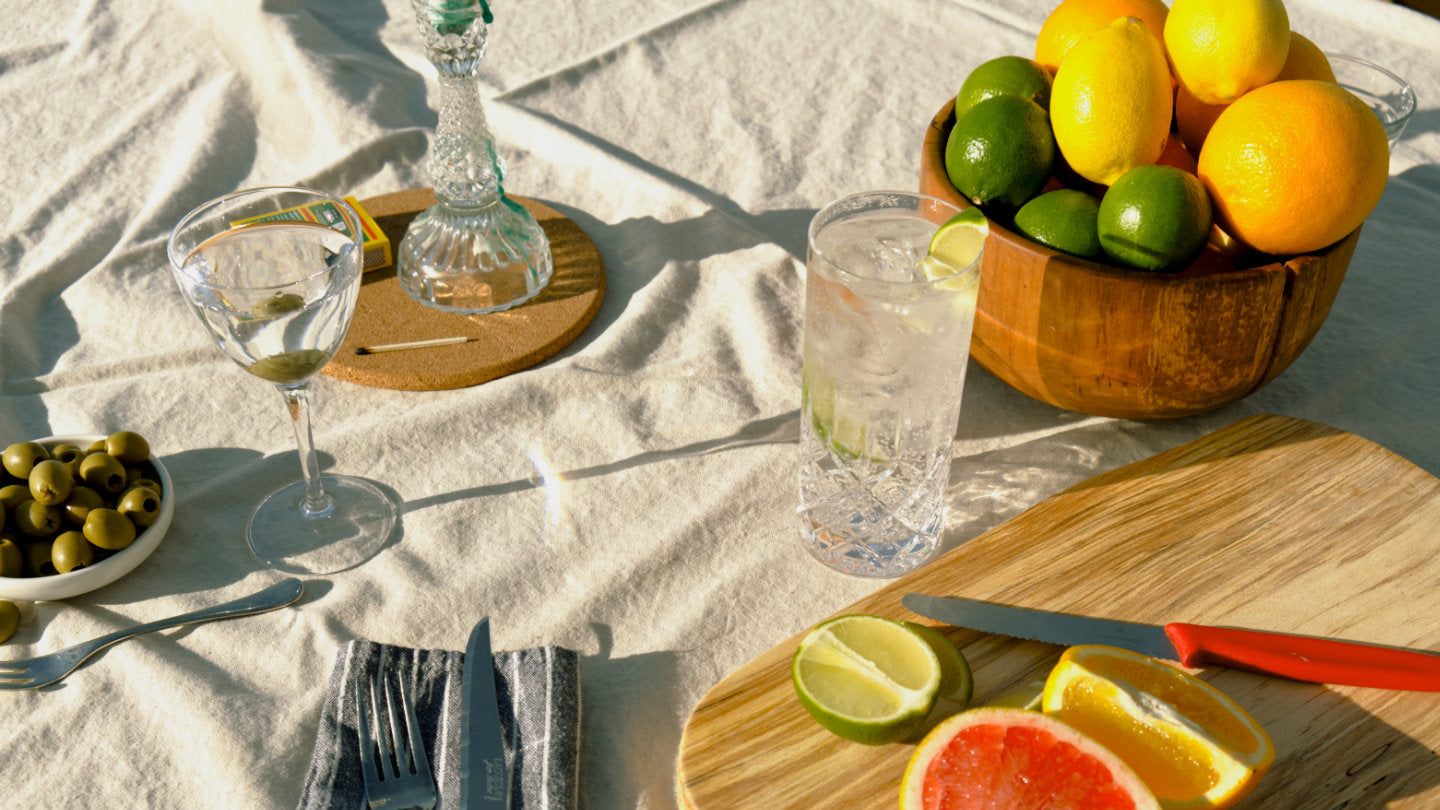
[484, 777]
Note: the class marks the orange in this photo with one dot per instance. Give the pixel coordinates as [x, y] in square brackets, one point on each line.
[1193, 746]
[1013, 759]
[1175, 154]
[1073, 19]
[1306, 61]
[1294, 166]
[1193, 118]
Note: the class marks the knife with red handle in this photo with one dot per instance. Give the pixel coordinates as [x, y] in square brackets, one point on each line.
[1301, 658]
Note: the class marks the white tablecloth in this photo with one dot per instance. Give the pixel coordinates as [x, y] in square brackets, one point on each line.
[633, 497]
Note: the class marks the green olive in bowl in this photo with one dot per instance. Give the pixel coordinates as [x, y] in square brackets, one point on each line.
[108, 565]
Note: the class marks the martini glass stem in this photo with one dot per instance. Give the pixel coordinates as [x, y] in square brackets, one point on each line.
[297, 401]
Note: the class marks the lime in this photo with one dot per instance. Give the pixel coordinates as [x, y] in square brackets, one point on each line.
[959, 242]
[1063, 219]
[1005, 76]
[1024, 696]
[840, 421]
[867, 679]
[956, 682]
[1001, 152]
[1154, 218]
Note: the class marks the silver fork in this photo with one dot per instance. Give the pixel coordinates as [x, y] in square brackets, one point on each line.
[33, 673]
[403, 779]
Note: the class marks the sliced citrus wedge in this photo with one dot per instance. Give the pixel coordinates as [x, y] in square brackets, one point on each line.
[1012, 759]
[957, 244]
[865, 678]
[1191, 744]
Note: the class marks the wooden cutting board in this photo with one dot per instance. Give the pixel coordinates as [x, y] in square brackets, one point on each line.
[1272, 523]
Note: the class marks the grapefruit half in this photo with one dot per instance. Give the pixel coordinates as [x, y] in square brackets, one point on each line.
[1012, 759]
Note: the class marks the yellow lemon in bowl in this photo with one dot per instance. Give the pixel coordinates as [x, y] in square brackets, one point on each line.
[1110, 103]
[1221, 49]
[1073, 19]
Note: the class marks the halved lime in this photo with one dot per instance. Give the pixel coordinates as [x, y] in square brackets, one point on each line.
[1023, 696]
[867, 679]
[956, 682]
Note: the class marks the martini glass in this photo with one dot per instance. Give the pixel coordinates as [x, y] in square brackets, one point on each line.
[273, 274]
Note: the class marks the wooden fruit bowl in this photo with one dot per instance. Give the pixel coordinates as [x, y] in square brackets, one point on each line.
[1105, 341]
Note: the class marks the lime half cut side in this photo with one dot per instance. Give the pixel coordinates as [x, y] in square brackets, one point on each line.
[867, 679]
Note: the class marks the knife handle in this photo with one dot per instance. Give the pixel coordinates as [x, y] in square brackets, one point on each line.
[1304, 658]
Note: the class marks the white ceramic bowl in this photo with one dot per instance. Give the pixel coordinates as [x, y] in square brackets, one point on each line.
[64, 586]
[1382, 91]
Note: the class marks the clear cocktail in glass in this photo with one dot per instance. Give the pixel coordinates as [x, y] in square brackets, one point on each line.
[887, 336]
[274, 275]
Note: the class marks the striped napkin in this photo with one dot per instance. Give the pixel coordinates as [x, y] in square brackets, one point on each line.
[539, 695]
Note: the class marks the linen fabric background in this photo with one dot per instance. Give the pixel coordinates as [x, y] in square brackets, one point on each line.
[632, 498]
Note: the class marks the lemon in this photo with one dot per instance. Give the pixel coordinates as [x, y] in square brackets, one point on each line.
[865, 678]
[1001, 152]
[1221, 49]
[1111, 101]
[1064, 220]
[1190, 743]
[1005, 76]
[1155, 218]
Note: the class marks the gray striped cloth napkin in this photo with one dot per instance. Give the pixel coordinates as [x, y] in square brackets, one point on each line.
[539, 695]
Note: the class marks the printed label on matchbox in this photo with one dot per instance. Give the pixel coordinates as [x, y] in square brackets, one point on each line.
[376, 243]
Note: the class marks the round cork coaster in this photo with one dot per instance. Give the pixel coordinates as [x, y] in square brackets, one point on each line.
[499, 343]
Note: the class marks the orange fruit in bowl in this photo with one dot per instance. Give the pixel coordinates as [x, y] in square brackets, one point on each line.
[1305, 61]
[1073, 19]
[1193, 117]
[1194, 747]
[1110, 103]
[1221, 49]
[1294, 166]
[1175, 154]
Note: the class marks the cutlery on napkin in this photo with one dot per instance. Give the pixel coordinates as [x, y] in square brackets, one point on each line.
[538, 692]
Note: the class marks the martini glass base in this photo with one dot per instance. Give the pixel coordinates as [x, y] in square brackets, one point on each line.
[283, 537]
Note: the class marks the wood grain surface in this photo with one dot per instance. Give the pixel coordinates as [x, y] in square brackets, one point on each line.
[1272, 523]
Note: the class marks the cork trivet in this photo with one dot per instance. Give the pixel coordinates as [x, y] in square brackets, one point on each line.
[504, 342]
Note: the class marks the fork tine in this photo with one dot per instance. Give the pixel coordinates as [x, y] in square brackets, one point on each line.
[412, 726]
[404, 743]
[365, 704]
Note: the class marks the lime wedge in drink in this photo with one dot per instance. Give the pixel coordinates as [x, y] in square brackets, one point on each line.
[956, 246]
[868, 679]
[842, 423]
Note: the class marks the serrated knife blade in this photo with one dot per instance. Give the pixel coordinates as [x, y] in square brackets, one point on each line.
[1301, 658]
[484, 777]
